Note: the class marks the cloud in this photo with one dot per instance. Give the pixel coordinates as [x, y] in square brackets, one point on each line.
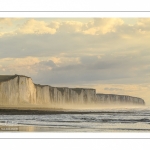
[97, 26]
[144, 22]
[6, 26]
[41, 45]
[113, 89]
[6, 21]
[87, 69]
[43, 65]
[70, 26]
[33, 26]
[54, 24]
[102, 26]
[18, 65]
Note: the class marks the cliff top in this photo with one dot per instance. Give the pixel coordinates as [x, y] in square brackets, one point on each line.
[117, 95]
[9, 77]
[82, 88]
[6, 77]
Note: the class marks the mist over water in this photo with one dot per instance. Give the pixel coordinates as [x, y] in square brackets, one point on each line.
[76, 106]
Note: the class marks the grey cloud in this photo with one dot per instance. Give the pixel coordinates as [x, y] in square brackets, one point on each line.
[113, 89]
[104, 70]
[39, 45]
[43, 65]
[69, 43]
[47, 63]
[68, 67]
[89, 59]
[127, 29]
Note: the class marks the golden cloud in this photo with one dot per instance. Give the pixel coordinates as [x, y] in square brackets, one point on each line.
[19, 65]
[17, 62]
[36, 27]
[96, 26]
[102, 26]
[71, 26]
[6, 21]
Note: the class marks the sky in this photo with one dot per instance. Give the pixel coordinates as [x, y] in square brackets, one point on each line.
[111, 55]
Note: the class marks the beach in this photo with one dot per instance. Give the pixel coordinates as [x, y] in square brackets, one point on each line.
[104, 120]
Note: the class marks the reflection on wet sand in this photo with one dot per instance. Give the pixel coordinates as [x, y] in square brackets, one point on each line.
[16, 128]
[33, 129]
[104, 128]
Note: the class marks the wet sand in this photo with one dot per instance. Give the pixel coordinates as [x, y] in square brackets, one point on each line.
[29, 112]
[83, 109]
[32, 128]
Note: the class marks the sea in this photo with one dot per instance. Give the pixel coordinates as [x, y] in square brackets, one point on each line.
[89, 120]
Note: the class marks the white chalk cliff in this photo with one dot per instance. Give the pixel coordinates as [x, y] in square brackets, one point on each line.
[19, 90]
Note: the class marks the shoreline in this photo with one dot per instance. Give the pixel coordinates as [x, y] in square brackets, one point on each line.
[14, 111]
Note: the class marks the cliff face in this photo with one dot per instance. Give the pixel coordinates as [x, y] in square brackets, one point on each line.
[119, 99]
[19, 90]
[62, 95]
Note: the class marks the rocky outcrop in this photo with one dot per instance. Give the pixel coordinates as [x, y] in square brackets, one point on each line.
[19, 90]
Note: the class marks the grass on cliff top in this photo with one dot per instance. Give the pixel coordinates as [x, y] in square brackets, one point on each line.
[6, 77]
